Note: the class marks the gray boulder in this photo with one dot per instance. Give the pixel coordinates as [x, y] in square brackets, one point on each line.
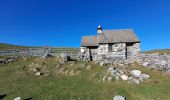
[133, 81]
[38, 73]
[118, 97]
[143, 77]
[109, 78]
[145, 64]
[17, 98]
[135, 73]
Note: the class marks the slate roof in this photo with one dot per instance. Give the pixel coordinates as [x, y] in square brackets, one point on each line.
[89, 41]
[117, 36]
[110, 36]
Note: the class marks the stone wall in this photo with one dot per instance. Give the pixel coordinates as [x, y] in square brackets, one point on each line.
[156, 61]
[103, 49]
[133, 50]
[116, 50]
[112, 50]
[136, 48]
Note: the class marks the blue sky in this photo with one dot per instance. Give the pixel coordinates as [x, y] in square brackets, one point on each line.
[63, 22]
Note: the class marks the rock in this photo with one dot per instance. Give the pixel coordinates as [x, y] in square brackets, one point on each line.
[145, 64]
[109, 78]
[118, 97]
[121, 72]
[47, 55]
[133, 81]
[88, 67]
[143, 77]
[38, 73]
[110, 68]
[135, 73]
[34, 69]
[102, 63]
[17, 98]
[163, 62]
[124, 77]
[65, 57]
[104, 78]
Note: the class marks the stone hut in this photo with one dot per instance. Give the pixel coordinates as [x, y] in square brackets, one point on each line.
[122, 43]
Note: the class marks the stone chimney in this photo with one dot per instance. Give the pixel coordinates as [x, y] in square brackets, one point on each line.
[99, 29]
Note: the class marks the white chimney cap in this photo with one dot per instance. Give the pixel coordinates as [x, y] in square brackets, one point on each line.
[99, 26]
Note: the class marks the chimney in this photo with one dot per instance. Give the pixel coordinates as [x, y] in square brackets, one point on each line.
[99, 29]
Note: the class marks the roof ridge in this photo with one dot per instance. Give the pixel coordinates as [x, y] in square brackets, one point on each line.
[117, 29]
[89, 36]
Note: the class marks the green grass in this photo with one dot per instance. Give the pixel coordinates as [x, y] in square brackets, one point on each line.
[16, 80]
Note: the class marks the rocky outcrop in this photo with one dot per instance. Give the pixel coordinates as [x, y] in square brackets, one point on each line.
[7, 60]
[156, 61]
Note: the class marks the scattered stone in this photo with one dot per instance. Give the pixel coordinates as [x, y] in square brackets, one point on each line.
[7, 60]
[109, 78]
[38, 73]
[47, 55]
[104, 78]
[133, 81]
[143, 77]
[121, 72]
[65, 57]
[34, 69]
[118, 97]
[102, 63]
[110, 68]
[135, 73]
[124, 77]
[88, 67]
[145, 64]
[17, 98]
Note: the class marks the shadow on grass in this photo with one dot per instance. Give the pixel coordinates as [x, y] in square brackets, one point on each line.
[28, 98]
[2, 96]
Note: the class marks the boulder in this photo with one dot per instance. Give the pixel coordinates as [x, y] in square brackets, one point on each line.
[109, 78]
[135, 73]
[145, 64]
[47, 55]
[38, 73]
[110, 68]
[102, 63]
[133, 81]
[163, 62]
[124, 77]
[143, 77]
[118, 97]
[121, 72]
[17, 98]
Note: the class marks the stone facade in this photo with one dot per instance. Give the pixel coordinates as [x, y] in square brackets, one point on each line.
[110, 44]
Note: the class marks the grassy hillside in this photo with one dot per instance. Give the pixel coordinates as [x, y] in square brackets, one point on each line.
[17, 79]
[161, 51]
[4, 46]
[73, 52]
